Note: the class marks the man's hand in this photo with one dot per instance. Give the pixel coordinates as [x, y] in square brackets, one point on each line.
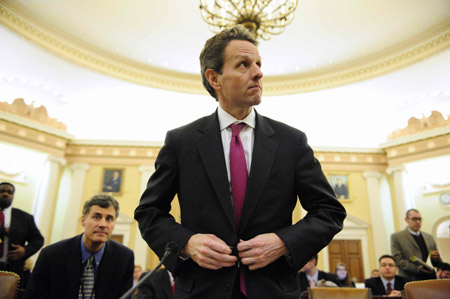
[424, 270]
[17, 253]
[261, 250]
[395, 293]
[209, 252]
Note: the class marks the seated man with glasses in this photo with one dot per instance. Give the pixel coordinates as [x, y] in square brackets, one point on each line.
[411, 242]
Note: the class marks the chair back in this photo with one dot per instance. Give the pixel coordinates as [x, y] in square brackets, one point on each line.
[339, 293]
[9, 284]
[431, 289]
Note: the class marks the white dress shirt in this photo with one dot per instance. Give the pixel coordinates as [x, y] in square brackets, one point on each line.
[247, 135]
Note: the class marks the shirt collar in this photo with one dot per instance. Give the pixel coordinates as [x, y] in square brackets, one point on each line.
[315, 276]
[85, 254]
[225, 119]
[413, 233]
[385, 281]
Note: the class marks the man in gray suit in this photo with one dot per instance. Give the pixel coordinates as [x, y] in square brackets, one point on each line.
[412, 242]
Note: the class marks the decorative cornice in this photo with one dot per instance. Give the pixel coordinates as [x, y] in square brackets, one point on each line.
[419, 48]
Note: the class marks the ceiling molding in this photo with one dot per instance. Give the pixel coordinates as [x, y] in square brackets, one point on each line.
[404, 54]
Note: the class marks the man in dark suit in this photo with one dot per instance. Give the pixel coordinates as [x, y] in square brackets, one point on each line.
[19, 236]
[388, 283]
[62, 268]
[237, 191]
[159, 286]
[309, 276]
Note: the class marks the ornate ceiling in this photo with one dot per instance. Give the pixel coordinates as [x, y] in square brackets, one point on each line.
[157, 43]
[347, 72]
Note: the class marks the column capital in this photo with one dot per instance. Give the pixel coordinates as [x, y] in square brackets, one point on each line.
[397, 168]
[372, 174]
[147, 168]
[80, 166]
[56, 159]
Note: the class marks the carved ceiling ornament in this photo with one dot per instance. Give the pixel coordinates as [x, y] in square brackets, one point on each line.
[416, 125]
[39, 114]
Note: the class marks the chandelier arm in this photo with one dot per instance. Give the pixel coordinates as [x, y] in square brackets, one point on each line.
[261, 9]
[229, 12]
[215, 16]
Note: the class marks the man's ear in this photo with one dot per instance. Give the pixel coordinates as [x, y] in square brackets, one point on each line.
[82, 221]
[213, 78]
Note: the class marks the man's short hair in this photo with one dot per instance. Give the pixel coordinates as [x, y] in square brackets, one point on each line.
[102, 200]
[411, 210]
[213, 52]
[386, 256]
[9, 184]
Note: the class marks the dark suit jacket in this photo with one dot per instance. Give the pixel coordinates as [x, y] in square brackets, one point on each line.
[23, 231]
[304, 283]
[58, 271]
[376, 284]
[157, 287]
[191, 164]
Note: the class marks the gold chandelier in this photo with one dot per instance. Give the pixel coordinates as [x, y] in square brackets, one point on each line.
[264, 17]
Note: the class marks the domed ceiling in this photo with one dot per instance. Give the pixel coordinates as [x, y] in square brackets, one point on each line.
[346, 62]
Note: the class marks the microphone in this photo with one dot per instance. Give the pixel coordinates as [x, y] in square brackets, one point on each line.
[171, 247]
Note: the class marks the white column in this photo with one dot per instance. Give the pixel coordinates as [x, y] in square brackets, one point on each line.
[377, 216]
[46, 196]
[401, 197]
[75, 200]
[140, 246]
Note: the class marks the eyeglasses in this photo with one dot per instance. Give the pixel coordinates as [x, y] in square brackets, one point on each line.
[7, 191]
[416, 219]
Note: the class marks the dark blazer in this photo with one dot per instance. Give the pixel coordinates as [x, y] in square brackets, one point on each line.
[157, 287]
[58, 271]
[191, 164]
[376, 284]
[23, 231]
[304, 283]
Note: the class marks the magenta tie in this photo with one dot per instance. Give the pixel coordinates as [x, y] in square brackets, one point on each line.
[238, 177]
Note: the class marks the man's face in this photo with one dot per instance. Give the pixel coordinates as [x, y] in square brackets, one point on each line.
[115, 174]
[98, 225]
[6, 196]
[239, 85]
[414, 221]
[388, 268]
[137, 272]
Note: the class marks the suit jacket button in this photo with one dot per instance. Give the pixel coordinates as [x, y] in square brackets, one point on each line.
[227, 287]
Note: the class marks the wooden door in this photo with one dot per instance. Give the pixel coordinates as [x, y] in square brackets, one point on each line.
[349, 253]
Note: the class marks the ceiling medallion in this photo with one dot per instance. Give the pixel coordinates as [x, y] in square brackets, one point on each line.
[263, 18]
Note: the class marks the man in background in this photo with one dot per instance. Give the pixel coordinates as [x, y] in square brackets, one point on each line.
[442, 269]
[89, 265]
[310, 277]
[388, 283]
[19, 236]
[411, 242]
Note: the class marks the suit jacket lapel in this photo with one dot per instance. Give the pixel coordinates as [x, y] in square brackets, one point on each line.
[380, 286]
[210, 150]
[73, 265]
[410, 238]
[264, 151]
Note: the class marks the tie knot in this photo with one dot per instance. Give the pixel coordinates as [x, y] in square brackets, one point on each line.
[236, 129]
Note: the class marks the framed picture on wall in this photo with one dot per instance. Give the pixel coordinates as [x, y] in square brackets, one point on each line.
[112, 180]
[341, 185]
